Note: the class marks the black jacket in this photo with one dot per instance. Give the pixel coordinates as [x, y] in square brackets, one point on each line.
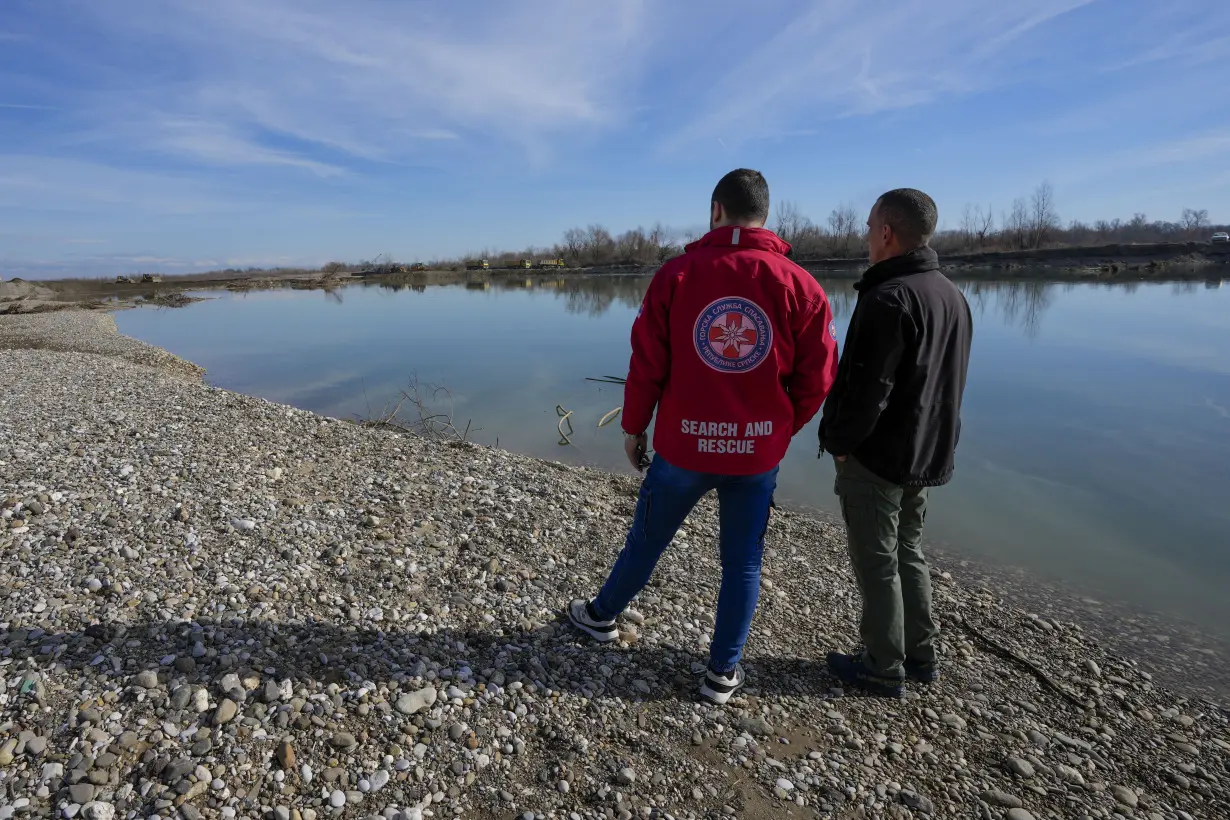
[896, 406]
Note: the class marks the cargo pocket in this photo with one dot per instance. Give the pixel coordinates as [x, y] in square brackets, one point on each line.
[859, 501]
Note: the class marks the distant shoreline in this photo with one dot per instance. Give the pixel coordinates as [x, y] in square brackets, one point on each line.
[1164, 261]
[1118, 262]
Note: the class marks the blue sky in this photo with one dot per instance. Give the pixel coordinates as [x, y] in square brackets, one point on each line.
[179, 135]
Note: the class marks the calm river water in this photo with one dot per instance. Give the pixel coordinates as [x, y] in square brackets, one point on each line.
[1095, 450]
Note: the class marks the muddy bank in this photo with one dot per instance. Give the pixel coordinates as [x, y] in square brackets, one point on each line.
[224, 607]
[1160, 261]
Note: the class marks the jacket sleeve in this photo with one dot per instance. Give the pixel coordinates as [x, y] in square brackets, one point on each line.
[815, 364]
[651, 358]
[873, 351]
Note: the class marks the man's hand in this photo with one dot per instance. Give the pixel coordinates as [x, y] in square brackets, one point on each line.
[635, 447]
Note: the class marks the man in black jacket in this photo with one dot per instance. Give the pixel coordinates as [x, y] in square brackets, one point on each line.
[891, 423]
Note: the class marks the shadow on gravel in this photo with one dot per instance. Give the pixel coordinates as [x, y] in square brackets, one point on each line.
[554, 656]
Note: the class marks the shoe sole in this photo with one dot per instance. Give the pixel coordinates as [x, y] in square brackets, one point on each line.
[599, 636]
[868, 687]
[715, 696]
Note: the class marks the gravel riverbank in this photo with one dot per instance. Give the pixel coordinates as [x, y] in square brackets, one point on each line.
[219, 607]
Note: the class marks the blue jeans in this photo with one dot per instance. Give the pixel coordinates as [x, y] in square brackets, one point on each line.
[668, 494]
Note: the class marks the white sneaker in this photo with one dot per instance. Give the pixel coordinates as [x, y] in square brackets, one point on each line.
[581, 614]
[718, 689]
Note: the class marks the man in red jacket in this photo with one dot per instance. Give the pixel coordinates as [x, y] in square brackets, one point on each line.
[736, 348]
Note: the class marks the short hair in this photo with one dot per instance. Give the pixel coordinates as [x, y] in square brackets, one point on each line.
[744, 195]
[910, 213]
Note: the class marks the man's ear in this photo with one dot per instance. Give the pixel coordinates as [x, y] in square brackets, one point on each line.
[715, 212]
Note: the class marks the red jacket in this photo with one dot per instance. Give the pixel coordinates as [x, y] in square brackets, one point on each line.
[736, 347]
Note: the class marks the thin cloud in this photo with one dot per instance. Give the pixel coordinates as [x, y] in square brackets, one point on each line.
[835, 61]
[214, 143]
[1197, 149]
[381, 83]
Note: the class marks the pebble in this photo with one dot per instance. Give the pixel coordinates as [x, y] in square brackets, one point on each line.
[1020, 767]
[1125, 796]
[1070, 775]
[225, 712]
[955, 721]
[916, 801]
[81, 792]
[1000, 798]
[445, 694]
[1018, 814]
[413, 702]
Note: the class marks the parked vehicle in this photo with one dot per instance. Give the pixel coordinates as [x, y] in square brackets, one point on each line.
[477, 264]
[1221, 236]
[521, 264]
[551, 263]
[151, 277]
[123, 280]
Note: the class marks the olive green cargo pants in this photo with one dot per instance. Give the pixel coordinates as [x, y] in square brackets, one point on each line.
[884, 524]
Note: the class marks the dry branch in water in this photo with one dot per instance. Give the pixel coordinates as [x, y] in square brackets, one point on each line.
[414, 411]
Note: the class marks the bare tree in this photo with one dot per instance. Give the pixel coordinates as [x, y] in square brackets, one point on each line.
[1016, 224]
[599, 245]
[790, 222]
[1194, 222]
[1043, 220]
[976, 225]
[573, 244]
[844, 229]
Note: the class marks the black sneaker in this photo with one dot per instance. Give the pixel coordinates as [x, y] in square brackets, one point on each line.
[851, 671]
[717, 689]
[581, 614]
[922, 672]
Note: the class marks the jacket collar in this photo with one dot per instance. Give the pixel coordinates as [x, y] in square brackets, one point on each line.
[760, 239]
[919, 260]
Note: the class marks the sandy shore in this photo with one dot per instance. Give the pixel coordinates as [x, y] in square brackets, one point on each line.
[217, 606]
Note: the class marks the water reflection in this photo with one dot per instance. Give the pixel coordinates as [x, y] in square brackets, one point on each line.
[1020, 303]
[1096, 446]
[1017, 304]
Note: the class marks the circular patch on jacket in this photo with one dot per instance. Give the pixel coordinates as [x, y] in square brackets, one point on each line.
[733, 335]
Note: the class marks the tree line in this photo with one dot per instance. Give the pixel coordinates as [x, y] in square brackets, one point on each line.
[1029, 223]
